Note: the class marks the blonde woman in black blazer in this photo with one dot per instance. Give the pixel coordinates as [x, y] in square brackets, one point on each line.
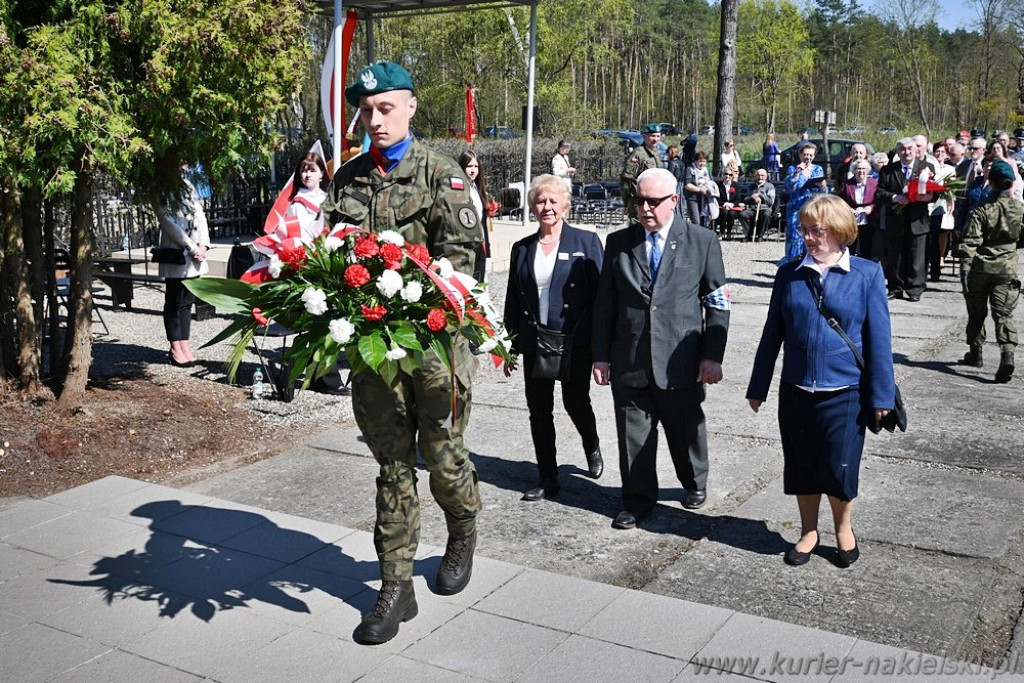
[552, 281]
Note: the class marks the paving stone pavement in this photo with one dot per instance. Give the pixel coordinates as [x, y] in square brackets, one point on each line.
[261, 573]
[124, 580]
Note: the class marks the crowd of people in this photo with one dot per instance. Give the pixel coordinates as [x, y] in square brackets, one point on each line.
[648, 314]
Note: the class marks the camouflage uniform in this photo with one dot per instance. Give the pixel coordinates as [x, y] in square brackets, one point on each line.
[639, 161]
[988, 257]
[424, 198]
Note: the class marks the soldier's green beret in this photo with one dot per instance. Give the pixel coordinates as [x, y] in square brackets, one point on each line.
[1000, 170]
[379, 77]
[650, 128]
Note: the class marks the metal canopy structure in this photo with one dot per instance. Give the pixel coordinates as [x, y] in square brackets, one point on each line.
[367, 10]
[380, 8]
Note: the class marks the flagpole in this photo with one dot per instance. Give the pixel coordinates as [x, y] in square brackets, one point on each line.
[336, 88]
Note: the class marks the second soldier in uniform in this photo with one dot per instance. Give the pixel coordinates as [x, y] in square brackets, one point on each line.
[988, 256]
[643, 157]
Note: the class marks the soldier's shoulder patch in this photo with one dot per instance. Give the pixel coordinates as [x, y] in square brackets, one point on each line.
[467, 217]
[456, 183]
[634, 160]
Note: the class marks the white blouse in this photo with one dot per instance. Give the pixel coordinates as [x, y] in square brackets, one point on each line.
[543, 269]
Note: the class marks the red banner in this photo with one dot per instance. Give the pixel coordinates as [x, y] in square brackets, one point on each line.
[470, 115]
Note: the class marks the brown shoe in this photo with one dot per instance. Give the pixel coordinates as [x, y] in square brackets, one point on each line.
[396, 603]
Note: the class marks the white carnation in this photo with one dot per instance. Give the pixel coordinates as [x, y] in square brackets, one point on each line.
[332, 244]
[315, 300]
[391, 236]
[396, 353]
[445, 268]
[341, 330]
[275, 266]
[412, 292]
[389, 283]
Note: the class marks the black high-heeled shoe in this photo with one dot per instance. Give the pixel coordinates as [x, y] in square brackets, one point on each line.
[847, 557]
[179, 364]
[796, 558]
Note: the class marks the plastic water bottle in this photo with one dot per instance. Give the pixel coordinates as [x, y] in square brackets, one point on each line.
[257, 384]
[125, 243]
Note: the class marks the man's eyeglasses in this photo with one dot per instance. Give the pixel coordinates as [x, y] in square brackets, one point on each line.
[653, 202]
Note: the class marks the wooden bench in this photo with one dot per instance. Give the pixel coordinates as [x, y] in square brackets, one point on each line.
[121, 285]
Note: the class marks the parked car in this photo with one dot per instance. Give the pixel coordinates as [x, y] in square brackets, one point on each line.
[838, 151]
[707, 130]
[855, 131]
[887, 130]
[501, 132]
[744, 130]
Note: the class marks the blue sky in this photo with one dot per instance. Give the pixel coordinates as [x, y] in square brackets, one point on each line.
[954, 14]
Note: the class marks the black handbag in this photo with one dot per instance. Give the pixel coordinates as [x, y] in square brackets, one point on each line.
[553, 356]
[170, 255]
[897, 417]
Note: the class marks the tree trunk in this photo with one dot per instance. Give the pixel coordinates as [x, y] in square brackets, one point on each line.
[17, 267]
[78, 358]
[726, 79]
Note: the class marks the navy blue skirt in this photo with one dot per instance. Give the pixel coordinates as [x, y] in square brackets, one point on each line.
[822, 441]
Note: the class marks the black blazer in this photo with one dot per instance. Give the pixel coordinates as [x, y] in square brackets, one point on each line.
[570, 297]
[891, 182]
[659, 336]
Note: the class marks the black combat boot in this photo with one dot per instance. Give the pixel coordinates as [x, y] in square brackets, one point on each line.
[456, 565]
[1005, 371]
[973, 358]
[395, 603]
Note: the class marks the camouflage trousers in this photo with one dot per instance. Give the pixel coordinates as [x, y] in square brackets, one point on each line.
[395, 419]
[998, 292]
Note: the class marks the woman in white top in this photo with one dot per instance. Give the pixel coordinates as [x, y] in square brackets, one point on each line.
[309, 189]
[730, 158]
[182, 226]
[560, 165]
[552, 283]
[470, 164]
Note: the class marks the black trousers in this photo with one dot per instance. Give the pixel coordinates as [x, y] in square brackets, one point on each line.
[178, 301]
[905, 259]
[540, 400]
[637, 415]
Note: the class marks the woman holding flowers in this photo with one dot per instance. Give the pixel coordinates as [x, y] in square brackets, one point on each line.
[552, 282]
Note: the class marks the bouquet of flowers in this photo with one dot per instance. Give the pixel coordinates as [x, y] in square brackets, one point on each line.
[381, 301]
[923, 185]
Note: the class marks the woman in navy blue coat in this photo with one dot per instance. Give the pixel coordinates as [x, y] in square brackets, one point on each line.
[552, 282]
[824, 393]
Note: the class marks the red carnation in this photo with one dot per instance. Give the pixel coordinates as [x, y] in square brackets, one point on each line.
[356, 275]
[294, 257]
[373, 313]
[392, 255]
[257, 314]
[418, 252]
[436, 320]
[366, 247]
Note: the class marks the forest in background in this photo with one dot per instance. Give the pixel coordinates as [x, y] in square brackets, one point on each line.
[621, 63]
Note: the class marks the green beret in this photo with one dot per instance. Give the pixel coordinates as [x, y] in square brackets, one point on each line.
[379, 77]
[1000, 170]
[650, 128]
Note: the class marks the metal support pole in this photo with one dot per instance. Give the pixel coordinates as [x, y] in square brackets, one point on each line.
[531, 68]
[336, 103]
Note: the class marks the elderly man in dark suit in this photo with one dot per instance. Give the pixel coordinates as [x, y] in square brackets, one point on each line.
[760, 201]
[907, 229]
[661, 320]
